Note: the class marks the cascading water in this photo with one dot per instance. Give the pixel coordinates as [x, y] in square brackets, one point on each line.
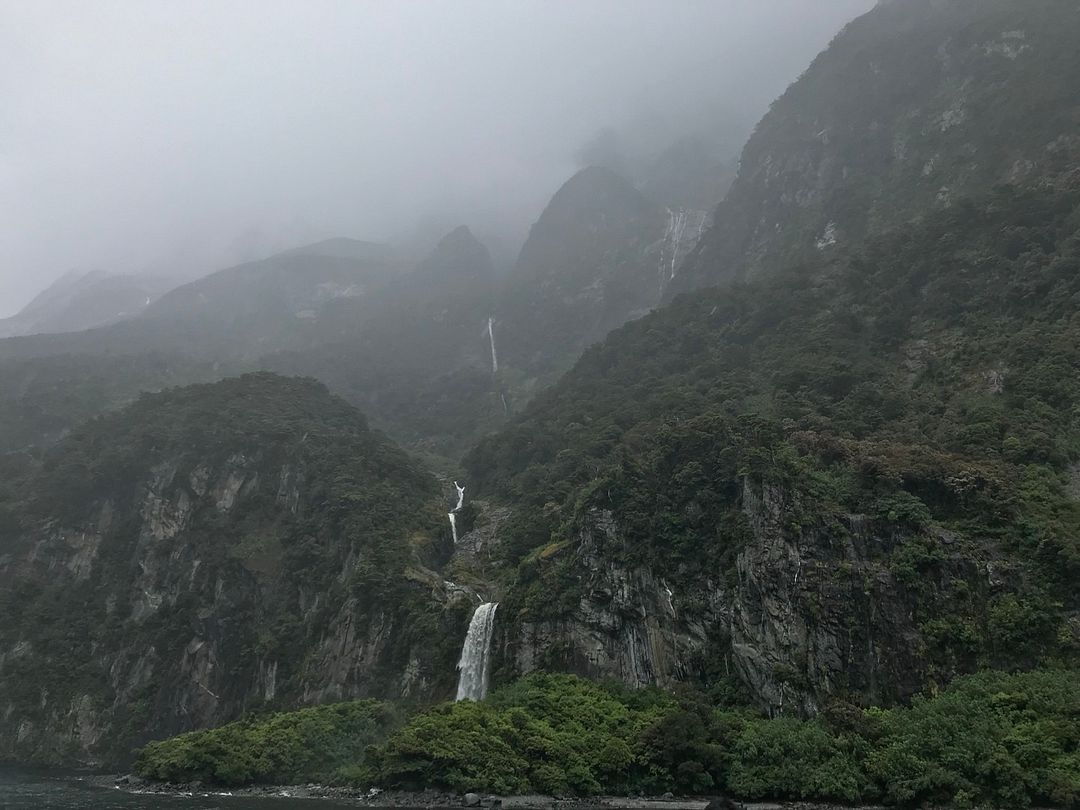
[476, 654]
[684, 229]
[452, 514]
[491, 336]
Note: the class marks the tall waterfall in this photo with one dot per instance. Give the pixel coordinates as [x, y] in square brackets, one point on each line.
[453, 526]
[491, 335]
[475, 660]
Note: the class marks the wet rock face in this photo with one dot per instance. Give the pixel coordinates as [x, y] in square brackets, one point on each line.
[808, 614]
[202, 615]
[600, 254]
[912, 108]
[626, 626]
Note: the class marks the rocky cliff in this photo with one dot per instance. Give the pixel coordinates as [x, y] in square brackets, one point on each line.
[914, 106]
[803, 617]
[211, 550]
[854, 478]
[600, 254]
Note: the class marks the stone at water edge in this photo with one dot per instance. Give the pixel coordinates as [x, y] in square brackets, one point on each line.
[471, 800]
[723, 803]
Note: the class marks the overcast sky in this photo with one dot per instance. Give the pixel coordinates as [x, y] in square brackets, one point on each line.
[180, 136]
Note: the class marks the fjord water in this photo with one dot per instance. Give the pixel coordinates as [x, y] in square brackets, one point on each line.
[48, 790]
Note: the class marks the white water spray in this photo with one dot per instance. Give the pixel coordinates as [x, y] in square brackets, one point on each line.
[475, 660]
[491, 336]
[453, 525]
[684, 229]
[670, 598]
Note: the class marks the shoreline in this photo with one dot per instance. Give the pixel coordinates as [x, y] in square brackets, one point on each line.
[445, 800]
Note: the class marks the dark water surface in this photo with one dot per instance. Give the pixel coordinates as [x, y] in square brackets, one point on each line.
[48, 790]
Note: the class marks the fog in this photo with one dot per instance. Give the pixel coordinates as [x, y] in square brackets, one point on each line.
[178, 137]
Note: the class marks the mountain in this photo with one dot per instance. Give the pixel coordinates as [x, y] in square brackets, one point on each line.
[840, 470]
[418, 357]
[849, 470]
[76, 302]
[437, 354]
[600, 253]
[223, 323]
[915, 105]
[239, 312]
[208, 550]
[852, 478]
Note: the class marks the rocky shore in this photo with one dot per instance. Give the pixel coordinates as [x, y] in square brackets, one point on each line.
[438, 800]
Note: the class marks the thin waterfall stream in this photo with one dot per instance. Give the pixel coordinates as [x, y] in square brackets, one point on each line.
[452, 514]
[491, 336]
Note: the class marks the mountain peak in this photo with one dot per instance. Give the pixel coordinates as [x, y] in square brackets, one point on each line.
[595, 189]
[914, 106]
[458, 255]
[343, 247]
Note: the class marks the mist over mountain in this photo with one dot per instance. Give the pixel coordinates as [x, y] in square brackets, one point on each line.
[720, 460]
[75, 302]
[140, 140]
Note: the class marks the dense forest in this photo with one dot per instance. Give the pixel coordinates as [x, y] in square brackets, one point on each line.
[1006, 740]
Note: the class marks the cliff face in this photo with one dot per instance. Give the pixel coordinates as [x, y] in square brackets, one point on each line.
[600, 254]
[208, 569]
[855, 478]
[804, 617]
[912, 107]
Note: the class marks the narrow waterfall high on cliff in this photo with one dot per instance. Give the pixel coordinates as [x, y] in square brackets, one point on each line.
[475, 660]
[491, 337]
[452, 514]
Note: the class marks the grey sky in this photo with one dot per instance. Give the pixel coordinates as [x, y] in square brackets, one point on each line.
[178, 137]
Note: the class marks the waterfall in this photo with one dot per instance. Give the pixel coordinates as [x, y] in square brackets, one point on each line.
[491, 335]
[684, 229]
[452, 514]
[476, 654]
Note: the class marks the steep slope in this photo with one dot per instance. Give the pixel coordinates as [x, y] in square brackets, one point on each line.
[208, 550]
[688, 174]
[599, 254]
[853, 478]
[913, 106]
[417, 357]
[77, 302]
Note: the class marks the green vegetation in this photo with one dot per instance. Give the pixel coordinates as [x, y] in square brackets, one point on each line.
[925, 380]
[205, 521]
[988, 740]
[545, 733]
[320, 743]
